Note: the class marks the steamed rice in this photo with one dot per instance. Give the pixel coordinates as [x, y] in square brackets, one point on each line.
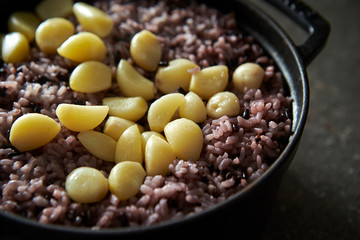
[236, 150]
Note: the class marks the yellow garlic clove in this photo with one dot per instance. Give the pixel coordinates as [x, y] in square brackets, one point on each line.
[168, 79]
[115, 126]
[209, 81]
[185, 138]
[248, 75]
[25, 23]
[15, 47]
[223, 103]
[146, 51]
[125, 179]
[146, 135]
[193, 108]
[82, 47]
[93, 19]
[161, 111]
[158, 156]
[90, 77]
[128, 147]
[132, 83]
[32, 131]
[86, 185]
[54, 8]
[130, 108]
[80, 118]
[98, 144]
[51, 33]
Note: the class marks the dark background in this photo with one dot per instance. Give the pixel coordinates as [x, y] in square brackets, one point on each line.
[320, 194]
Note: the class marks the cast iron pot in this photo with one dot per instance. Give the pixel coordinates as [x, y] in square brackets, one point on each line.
[244, 214]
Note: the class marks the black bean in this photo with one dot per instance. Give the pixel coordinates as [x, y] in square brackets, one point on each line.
[181, 90]
[204, 179]
[13, 154]
[123, 219]
[211, 167]
[173, 203]
[213, 63]
[163, 63]
[229, 32]
[41, 79]
[117, 56]
[246, 114]
[2, 91]
[7, 145]
[228, 175]
[7, 135]
[62, 78]
[126, 38]
[77, 220]
[19, 69]
[230, 63]
[79, 102]
[235, 127]
[36, 107]
[2, 72]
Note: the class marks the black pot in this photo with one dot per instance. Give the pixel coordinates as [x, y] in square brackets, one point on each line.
[244, 214]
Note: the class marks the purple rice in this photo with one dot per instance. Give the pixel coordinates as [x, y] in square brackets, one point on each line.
[236, 150]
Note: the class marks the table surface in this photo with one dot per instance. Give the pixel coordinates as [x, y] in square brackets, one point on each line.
[320, 194]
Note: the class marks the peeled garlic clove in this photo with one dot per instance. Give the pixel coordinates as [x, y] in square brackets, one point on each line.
[82, 47]
[128, 147]
[86, 185]
[132, 83]
[193, 108]
[130, 108]
[185, 138]
[90, 77]
[125, 179]
[80, 118]
[145, 136]
[98, 144]
[223, 103]
[168, 79]
[158, 156]
[15, 47]
[161, 111]
[33, 130]
[248, 75]
[51, 33]
[93, 19]
[209, 81]
[115, 126]
[145, 49]
[25, 23]
[54, 8]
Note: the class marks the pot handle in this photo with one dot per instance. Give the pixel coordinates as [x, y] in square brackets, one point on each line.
[312, 22]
